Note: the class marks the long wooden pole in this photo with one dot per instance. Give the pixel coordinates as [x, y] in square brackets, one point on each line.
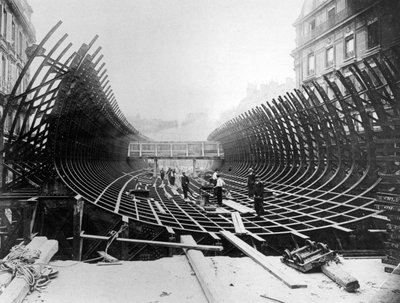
[157, 243]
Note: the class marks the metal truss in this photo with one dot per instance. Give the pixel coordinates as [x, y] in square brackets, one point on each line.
[323, 154]
[325, 150]
[67, 111]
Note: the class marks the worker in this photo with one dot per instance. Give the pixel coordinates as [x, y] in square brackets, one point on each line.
[258, 196]
[162, 174]
[172, 177]
[185, 185]
[214, 180]
[251, 179]
[214, 177]
[218, 189]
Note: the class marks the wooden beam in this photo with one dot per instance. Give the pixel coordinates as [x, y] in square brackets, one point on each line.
[342, 228]
[211, 285]
[156, 243]
[238, 207]
[260, 259]
[337, 273]
[238, 223]
[300, 235]
[5, 277]
[16, 291]
[125, 233]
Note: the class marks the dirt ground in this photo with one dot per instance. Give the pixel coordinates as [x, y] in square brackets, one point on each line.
[170, 280]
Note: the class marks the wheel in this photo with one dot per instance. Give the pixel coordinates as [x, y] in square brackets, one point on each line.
[323, 247]
[287, 254]
[311, 245]
[297, 258]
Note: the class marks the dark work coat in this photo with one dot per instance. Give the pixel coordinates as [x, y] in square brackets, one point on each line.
[259, 198]
[251, 179]
[185, 181]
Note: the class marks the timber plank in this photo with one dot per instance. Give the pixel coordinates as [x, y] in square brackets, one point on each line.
[205, 273]
[337, 273]
[238, 223]
[260, 259]
[238, 207]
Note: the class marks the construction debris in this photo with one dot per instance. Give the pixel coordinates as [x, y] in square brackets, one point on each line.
[314, 256]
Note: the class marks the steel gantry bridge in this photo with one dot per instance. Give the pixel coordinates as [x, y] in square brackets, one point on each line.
[176, 150]
[326, 157]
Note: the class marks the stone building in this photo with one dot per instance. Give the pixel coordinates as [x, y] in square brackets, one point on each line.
[332, 34]
[16, 34]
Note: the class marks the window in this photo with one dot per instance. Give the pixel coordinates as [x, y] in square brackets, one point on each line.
[329, 56]
[13, 36]
[3, 70]
[373, 34]
[349, 47]
[4, 23]
[331, 15]
[312, 25]
[311, 64]
[20, 44]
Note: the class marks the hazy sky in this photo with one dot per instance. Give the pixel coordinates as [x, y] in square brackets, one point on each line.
[167, 58]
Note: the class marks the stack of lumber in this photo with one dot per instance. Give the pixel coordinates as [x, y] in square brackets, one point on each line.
[15, 290]
[390, 204]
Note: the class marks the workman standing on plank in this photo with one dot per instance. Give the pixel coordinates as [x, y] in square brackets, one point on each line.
[251, 179]
[185, 185]
[218, 189]
[259, 197]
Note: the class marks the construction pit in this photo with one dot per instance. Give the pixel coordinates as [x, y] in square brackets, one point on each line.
[234, 280]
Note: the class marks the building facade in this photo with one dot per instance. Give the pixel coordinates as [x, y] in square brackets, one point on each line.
[332, 34]
[16, 34]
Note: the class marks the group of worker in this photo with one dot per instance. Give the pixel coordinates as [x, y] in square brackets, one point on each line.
[171, 173]
[254, 185]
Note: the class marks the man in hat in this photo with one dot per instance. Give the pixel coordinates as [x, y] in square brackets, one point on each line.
[258, 196]
[185, 185]
[218, 189]
[251, 179]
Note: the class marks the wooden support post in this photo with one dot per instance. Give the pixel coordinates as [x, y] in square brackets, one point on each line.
[205, 273]
[336, 272]
[26, 217]
[125, 234]
[194, 168]
[172, 239]
[16, 291]
[155, 168]
[77, 228]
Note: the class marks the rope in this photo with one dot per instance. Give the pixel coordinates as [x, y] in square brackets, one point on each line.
[20, 263]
